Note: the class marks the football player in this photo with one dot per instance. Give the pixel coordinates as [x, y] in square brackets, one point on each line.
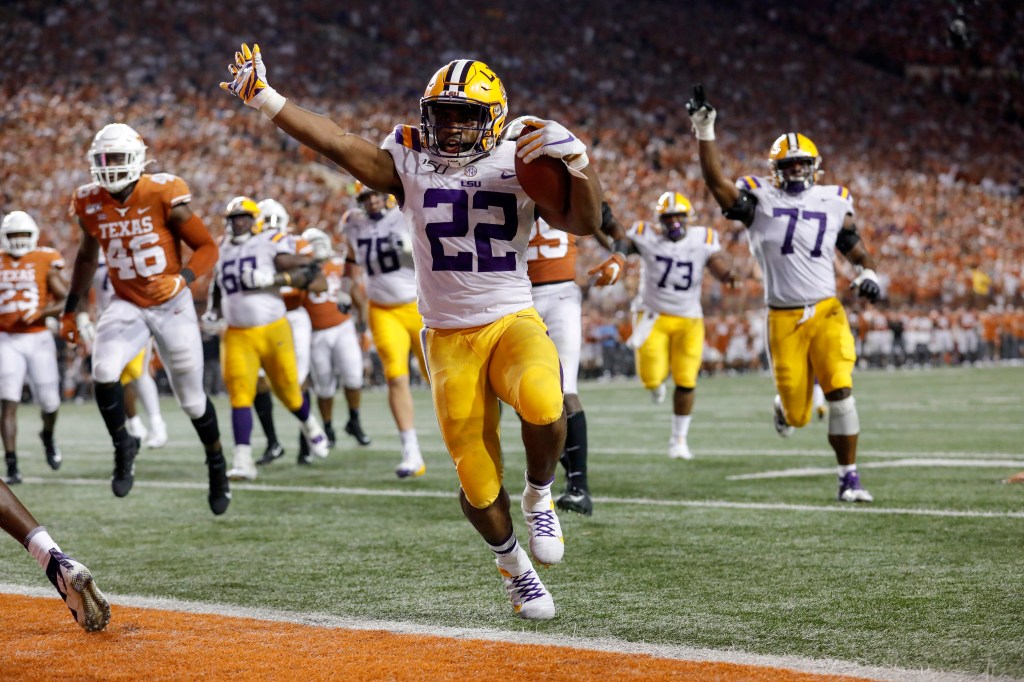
[74, 582]
[379, 247]
[32, 288]
[140, 221]
[336, 347]
[254, 265]
[795, 226]
[668, 332]
[483, 341]
[136, 379]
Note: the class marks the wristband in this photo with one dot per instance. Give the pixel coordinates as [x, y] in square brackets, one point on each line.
[187, 275]
[275, 102]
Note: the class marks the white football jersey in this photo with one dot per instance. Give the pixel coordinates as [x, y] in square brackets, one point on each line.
[101, 284]
[671, 273]
[470, 227]
[793, 237]
[387, 282]
[245, 308]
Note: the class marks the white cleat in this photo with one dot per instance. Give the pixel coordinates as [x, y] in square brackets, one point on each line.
[319, 445]
[782, 427]
[658, 394]
[157, 436]
[678, 449]
[530, 599]
[76, 587]
[412, 464]
[135, 428]
[546, 542]
[242, 466]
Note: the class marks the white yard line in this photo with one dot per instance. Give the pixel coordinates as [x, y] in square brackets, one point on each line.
[635, 501]
[1014, 464]
[605, 644]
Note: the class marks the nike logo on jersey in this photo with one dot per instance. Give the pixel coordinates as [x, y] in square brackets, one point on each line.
[144, 210]
[506, 176]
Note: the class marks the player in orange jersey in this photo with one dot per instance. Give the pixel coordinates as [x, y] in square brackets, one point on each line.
[31, 289]
[140, 222]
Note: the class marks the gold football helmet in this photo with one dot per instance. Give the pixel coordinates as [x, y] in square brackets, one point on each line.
[794, 162]
[235, 223]
[674, 212]
[462, 112]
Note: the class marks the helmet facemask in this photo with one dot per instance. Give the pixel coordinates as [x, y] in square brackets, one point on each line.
[19, 234]
[673, 225]
[242, 219]
[796, 174]
[117, 157]
[458, 131]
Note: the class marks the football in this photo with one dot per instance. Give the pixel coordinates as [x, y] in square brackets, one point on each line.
[546, 181]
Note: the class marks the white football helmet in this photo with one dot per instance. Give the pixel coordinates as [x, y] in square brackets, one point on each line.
[117, 157]
[274, 214]
[320, 241]
[20, 224]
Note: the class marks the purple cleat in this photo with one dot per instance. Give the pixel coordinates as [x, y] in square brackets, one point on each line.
[850, 489]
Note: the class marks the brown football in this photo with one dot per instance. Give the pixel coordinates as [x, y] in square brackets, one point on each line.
[546, 181]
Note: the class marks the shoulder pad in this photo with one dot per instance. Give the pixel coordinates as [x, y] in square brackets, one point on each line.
[407, 136]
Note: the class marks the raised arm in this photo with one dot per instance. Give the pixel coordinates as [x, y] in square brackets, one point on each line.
[373, 166]
[702, 114]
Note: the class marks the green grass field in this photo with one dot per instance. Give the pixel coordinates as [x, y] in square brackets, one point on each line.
[741, 549]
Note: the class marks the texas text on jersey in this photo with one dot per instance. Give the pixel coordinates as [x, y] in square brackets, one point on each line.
[23, 289]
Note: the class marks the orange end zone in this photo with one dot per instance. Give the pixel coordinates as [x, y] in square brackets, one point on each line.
[39, 641]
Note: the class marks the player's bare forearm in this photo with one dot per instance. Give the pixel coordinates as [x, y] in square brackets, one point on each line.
[360, 302]
[859, 255]
[367, 162]
[193, 231]
[724, 192]
[585, 197]
[86, 261]
[721, 267]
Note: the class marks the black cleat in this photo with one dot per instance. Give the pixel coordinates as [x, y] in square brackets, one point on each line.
[576, 500]
[329, 431]
[305, 459]
[53, 456]
[355, 429]
[13, 475]
[124, 465]
[220, 490]
[273, 451]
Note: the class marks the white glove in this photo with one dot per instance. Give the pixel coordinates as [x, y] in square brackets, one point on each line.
[702, 114]
[552, 139]
[86, 329]
[210, 323]
[249, 81]
[253, 278]
[514, 128]
[320, 242]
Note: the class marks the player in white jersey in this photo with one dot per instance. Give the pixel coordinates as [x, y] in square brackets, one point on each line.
[254, 264]
[379, 247]
[32, 288]
[136, 379]
[668, 334]
[470, 221]
[795, 227]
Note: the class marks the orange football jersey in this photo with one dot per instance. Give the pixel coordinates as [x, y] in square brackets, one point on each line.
[139, 245]
[551, 254]
[294, 298]
[23, 288]
[323, 306]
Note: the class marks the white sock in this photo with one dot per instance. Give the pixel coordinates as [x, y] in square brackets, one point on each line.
[846, 468]
[146, 388]
[507, 553]
[680, 426]
[409, 440]
[135, 427]
[39, 543]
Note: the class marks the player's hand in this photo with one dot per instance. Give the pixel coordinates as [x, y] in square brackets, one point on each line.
[162, 288]
[30, 317]
[867, 285]
[364, 341]
[552, 139]
[702, 114]
[77, 328]
[609, 271]
[210, 323]
[254, 278]
[249, 82]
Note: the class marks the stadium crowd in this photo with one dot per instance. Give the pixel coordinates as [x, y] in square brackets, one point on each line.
[935, 169]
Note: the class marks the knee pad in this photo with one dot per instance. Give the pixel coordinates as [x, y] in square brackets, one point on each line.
[842, 417]
[48, 397]
[105, 372]
[540, 398]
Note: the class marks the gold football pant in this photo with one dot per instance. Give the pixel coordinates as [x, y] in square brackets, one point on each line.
[396, 332]
[676, 343]
[511, 359]
[244, 351]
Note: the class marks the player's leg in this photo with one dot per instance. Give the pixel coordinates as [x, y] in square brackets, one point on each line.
[132, 371]
[524, 372]
[277, 356]
[264, 406]
[44, 379]
[148, 394]
[240, 350]
[13, 367]
[324, 379]
[395, 340]
[348, 363]
[686, 344]
[788, 343]
[121, 333]
[302, 335]
[74, 582]
[652, 364]
[468, 416]
[175, 329]
[833, 358]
